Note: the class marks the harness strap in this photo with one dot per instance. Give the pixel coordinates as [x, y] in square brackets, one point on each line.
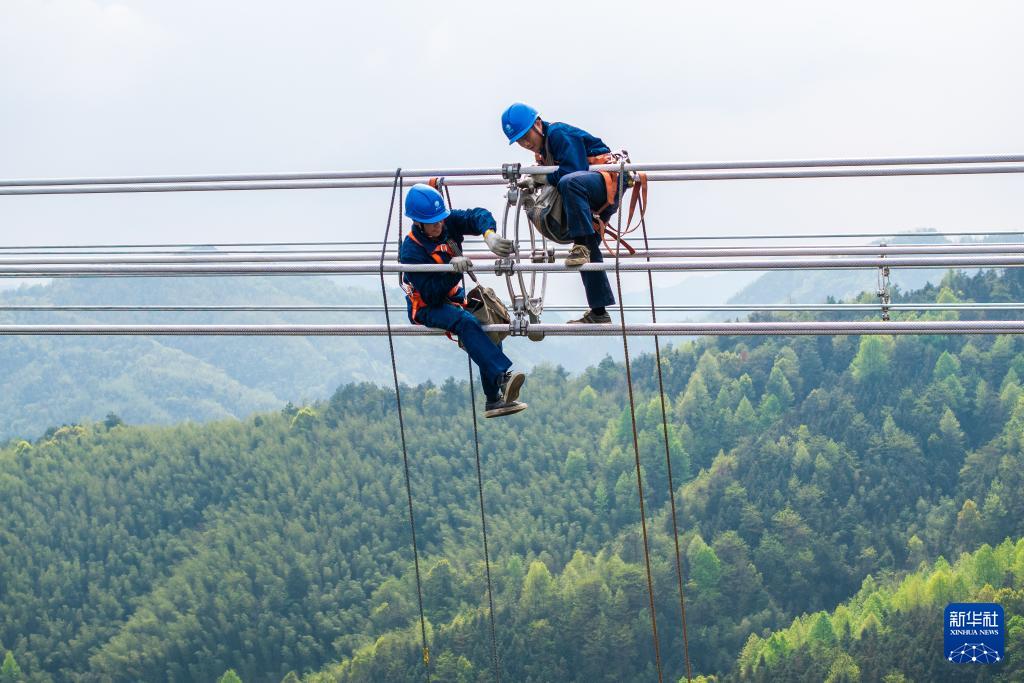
[638, 198]
[611, 178]
[416, 299]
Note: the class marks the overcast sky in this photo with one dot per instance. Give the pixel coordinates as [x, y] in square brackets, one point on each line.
[92, 87]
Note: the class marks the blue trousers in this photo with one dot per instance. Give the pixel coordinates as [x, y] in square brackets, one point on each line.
[583, 193]
[488, 356]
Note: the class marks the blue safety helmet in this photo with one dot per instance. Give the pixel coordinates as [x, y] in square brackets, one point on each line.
[424, 204]
[517, 120]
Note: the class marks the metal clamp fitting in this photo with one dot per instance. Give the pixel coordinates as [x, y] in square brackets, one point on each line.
[503, 266]
[884, 292]
[511, 172]
[519, 324]
[542, 255]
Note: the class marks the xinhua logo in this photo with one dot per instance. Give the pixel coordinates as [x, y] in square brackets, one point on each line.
[974, 633]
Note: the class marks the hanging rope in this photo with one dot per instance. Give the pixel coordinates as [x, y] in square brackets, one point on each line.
[668, 455]
[401, 428]
[483, 522]
[440, 185]
[636, 444]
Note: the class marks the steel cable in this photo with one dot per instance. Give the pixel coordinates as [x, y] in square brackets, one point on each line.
[689, 329]
[676, 238]
[366, 267]
[496, 171]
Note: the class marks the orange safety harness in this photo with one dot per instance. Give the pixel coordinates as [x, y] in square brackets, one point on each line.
[437, 255]
[637, 199]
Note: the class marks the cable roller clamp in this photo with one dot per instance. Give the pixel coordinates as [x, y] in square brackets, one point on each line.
[543, 255]
[511, 172]
[519, 326]
[503, 266]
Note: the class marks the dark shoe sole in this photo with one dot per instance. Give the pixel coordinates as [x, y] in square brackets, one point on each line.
[511, 392]
[506, 410]
[581, 321]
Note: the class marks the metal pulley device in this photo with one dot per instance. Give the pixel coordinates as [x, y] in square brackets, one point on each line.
[526, 294]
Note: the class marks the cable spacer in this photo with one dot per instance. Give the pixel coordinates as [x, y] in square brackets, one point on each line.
[511, 172]
[519, 324]
[884, 292]
[542, 255]
[503, 266]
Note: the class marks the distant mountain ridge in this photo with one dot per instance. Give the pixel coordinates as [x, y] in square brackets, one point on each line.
[49, 381]
[816, 286]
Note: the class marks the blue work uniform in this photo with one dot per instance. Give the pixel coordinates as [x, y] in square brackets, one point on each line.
[583, 193]
[436, 299]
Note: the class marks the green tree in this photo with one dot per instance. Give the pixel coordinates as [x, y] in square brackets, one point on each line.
[871, 364]
[843, 670]
[946, 366]
[968, 525]
[538, 589]
[915, 551]
[10, 672]
[822, 631]
[705, 567]
[575, 464]
[229, 677]
[778, 386]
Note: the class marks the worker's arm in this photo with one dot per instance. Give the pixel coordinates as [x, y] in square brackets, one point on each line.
[470, 221]
[569, 152]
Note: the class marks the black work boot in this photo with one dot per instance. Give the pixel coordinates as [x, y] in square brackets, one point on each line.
[593, 318]
[506, 403]
[511, 384]
[501, 407]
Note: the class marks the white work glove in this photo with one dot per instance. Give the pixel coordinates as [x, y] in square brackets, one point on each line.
[499, 245]
[531, 181]
[461, 264]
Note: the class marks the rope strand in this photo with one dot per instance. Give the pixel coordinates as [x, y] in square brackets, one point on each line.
[636, 445]
[668, 455]
[483, 522]
[401, 428]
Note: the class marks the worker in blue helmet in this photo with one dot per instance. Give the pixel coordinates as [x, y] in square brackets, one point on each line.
[438, 299]
[584, 193]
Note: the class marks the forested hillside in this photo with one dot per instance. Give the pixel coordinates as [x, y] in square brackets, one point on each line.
[280, 544]
[893, 631]
[162, 380]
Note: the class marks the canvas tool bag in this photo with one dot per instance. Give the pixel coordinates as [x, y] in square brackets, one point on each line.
[485, 305]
